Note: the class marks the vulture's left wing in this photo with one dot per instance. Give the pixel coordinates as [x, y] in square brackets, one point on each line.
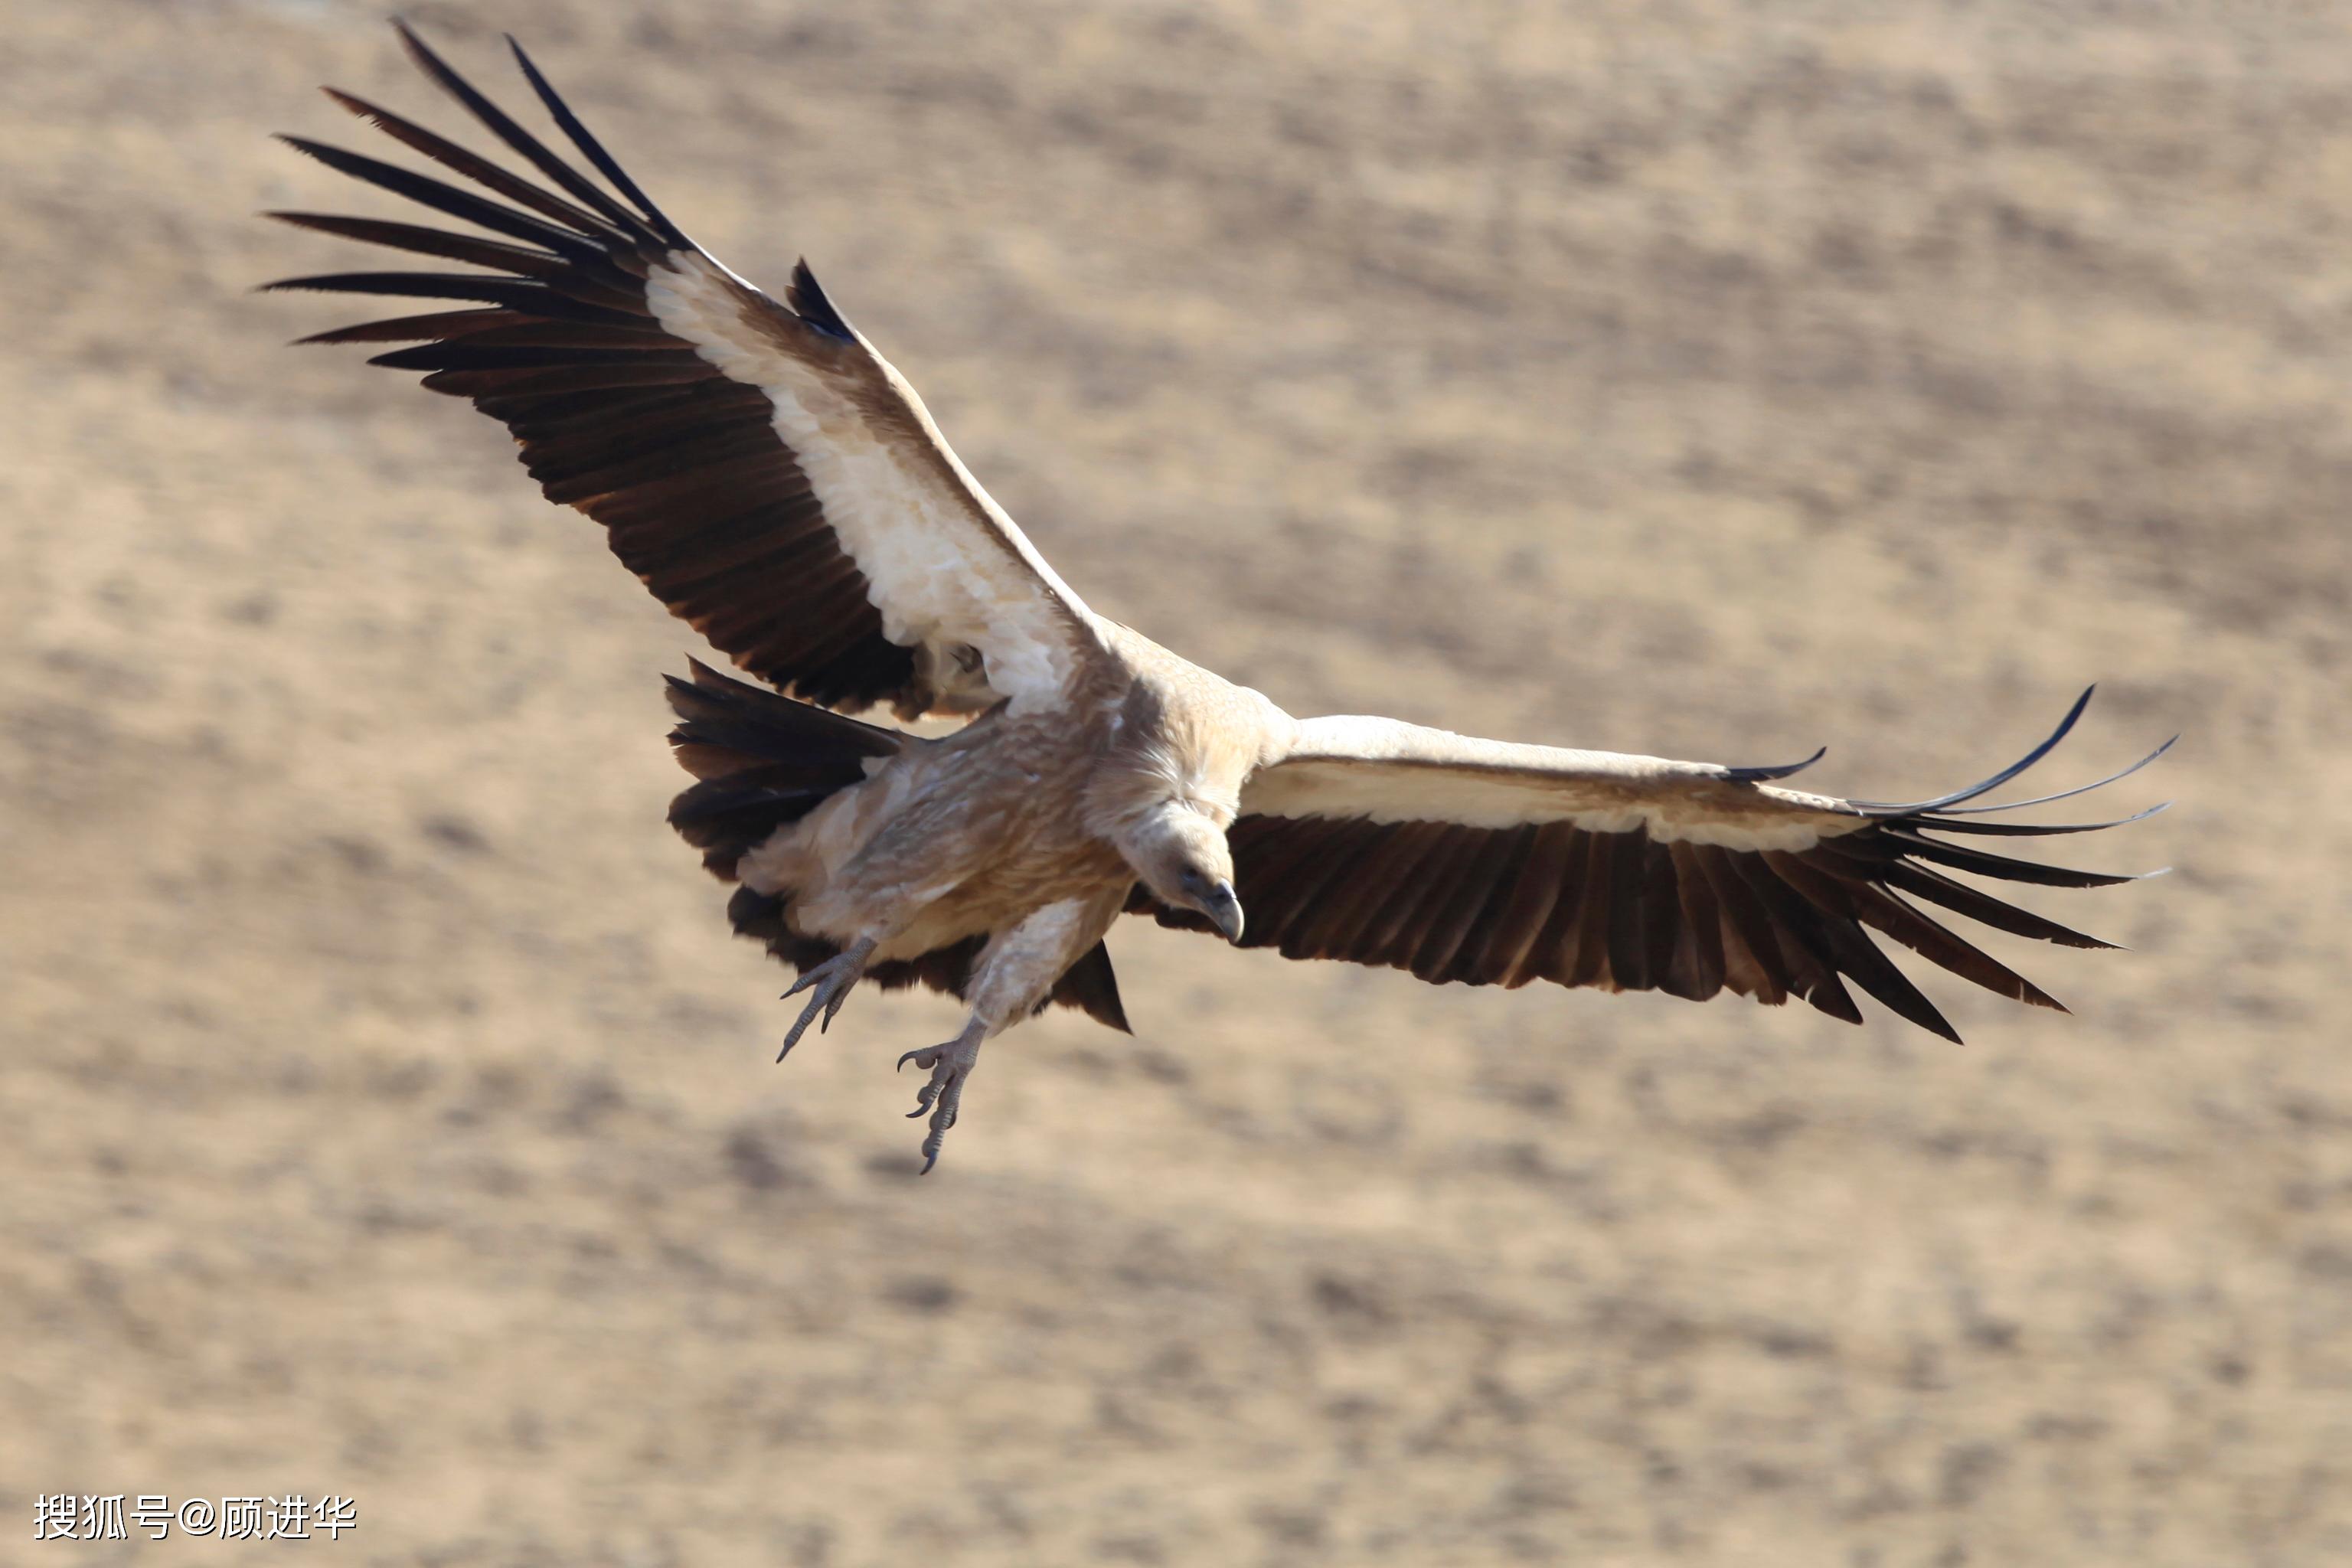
[1386, 843]
[752, 459]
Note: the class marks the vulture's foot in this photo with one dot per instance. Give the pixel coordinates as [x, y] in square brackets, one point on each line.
[833, 979]
[950, 1065]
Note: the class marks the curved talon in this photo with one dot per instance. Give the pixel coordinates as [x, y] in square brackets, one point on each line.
[834, 979]
[932, 1144]
[951, 1066]
[800, 1026]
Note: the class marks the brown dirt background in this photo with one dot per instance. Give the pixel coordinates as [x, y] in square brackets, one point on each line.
[387, 1111]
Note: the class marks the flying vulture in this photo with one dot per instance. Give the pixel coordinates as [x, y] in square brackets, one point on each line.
[769, 474]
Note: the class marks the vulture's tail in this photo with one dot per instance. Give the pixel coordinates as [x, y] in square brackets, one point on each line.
[764, 761]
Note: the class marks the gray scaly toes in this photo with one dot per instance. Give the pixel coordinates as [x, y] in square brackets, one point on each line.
[950, 1065]
[834, 979]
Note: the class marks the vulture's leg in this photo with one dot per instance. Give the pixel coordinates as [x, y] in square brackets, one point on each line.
[832, 979]
[1014, 974]
[950, 1066]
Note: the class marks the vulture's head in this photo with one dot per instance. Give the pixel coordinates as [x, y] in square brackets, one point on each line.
[1181, 853]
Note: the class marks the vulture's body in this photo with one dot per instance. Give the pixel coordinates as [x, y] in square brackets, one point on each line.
[779, 487]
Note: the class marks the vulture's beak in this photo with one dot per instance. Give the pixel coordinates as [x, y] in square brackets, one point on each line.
[1226, 910]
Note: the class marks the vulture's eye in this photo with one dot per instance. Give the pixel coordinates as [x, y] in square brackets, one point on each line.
[1194, 883]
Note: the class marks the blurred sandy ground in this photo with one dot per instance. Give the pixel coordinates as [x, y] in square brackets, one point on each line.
[387, 1111]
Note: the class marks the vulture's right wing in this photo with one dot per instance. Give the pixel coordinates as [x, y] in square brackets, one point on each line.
[1457, 858]
[754, 460]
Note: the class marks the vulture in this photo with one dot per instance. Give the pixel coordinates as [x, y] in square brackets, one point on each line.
[769, 474]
